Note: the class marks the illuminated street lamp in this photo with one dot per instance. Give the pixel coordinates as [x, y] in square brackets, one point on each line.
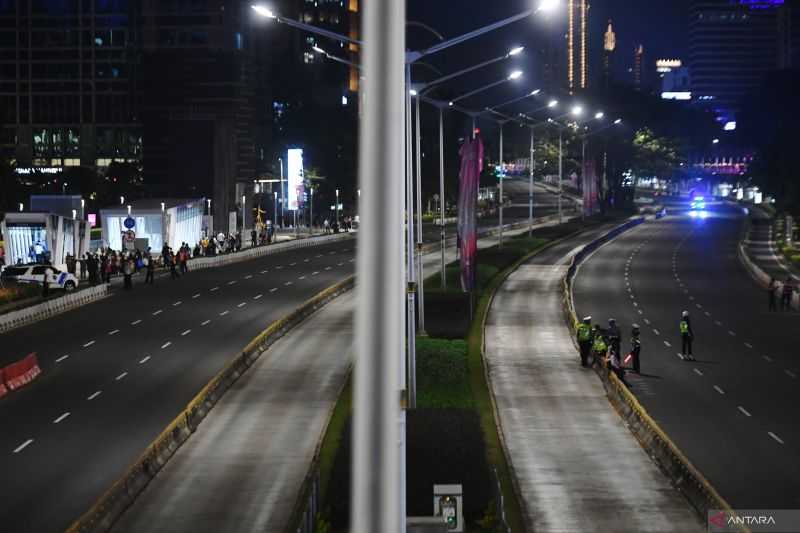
[121, 200]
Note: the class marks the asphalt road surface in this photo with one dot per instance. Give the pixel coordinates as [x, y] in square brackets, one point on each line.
[733, 412]
[116, 372]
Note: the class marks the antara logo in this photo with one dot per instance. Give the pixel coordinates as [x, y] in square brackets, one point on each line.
[718, 519]
[721, 519]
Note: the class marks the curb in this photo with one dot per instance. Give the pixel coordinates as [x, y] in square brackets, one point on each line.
[686, 478]
[49, 308]
[121, 495]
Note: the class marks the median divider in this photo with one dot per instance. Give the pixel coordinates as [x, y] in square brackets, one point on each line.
[48, 308]
[686, 478]
[110, 506]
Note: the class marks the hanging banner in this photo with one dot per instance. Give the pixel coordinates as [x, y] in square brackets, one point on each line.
[294, 172]
[468, 180]
[589, 186]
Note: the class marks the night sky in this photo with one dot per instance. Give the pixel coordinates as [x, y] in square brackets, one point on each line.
[660, 25]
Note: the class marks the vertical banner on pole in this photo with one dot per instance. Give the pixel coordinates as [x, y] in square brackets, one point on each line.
[469, 178]
[589, 188]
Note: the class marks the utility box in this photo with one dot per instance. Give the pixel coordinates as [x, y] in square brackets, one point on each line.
[448, 503]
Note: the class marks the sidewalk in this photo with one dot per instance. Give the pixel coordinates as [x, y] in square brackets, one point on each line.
[578, 468]
[760, 248]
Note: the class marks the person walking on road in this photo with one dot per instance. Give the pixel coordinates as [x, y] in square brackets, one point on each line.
[788, 291]
[584, 337]
[636, 348]
[253, 238]
[127, 272]
[687, 336]
[771, 290]
[172, 266]
[47, 278]
[149, 265]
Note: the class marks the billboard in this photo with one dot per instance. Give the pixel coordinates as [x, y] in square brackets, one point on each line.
[294, 173]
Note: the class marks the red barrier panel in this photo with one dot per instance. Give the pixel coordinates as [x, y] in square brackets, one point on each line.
[22, 372]
[3, 388]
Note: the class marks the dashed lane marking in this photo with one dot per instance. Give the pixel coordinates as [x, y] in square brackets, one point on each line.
[195, 296]
[744, 411]
[328, 268]
[186, 332]
[225, 312]
[288, 283]
[791, 374]
[293, 264]
[698, 371]
[62, 358]
[340, 264]
[94, 395]
[667, 344]
[113, 332]
[136, 322]
[315, 273]
[656, 332]
[61, 418]
[121, 376]
[748, 345]
[640, 311]
[176, 304]
[205, 322]
[718, 389]
[306, 260]
[273, 289]
[156, 313]
[249, 276]
[731, 333]
[717, 322]
[166, 345]
[699, 306]
[264, 271]
[302, 277]
[232, 282]
[214, 289]
[708, 314]
[767, 358]
[257, 296]
[775, 437]
[88, 344]
[23, 445]
[646, 321]
[241, 304]
[144, 359]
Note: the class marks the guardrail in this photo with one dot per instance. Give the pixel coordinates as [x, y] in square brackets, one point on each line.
[686, 478]
[46, 309]
[110, 506]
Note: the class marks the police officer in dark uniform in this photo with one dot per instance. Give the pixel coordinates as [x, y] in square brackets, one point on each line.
[636, 347]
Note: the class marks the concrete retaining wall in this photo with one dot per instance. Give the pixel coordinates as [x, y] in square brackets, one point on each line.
[110, 506]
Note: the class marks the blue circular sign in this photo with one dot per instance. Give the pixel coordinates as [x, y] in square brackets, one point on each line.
[129, 223]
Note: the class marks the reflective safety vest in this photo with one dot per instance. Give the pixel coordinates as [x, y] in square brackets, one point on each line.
[600, 345]
[584, 332]
[684, 327]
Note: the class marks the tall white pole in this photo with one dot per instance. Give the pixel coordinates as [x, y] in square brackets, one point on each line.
[560, 170]
[411, 320]
[500, 177]
[441, 195]
[336, 207]
[275, 212]
[584, 175]
[311, 214]
[420, 272]
[530, 190]
[378, 488]
[283, 196]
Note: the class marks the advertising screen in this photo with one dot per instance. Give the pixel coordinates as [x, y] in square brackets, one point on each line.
[294, 172]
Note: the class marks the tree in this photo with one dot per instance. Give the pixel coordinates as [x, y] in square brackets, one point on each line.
[653, 155]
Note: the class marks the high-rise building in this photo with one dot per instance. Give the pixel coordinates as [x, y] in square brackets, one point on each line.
[577, 44]
[638, 67]
[609, 46]
[732, 46]
[69, 79]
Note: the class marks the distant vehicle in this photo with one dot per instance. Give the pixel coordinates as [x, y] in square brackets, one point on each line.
[698, 203]
[35, 274]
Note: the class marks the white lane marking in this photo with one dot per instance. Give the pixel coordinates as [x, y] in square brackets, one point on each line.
[640, 311]
[315, 273]
[331, 253]
[186, 332]
[647, 321]
[767, 358]
[288, 283]
[698, 371]
[327, 268]
[23, 446]
[257, 296]
[699, 306]
[293, 264]
[176, 304]
[273, 289]
[195, 296]
[242, 304]
[214, 289]
[302, 277]
[319, 255]
[339, 264]
[791, 374]
[708, 314]
[225, 312]
[232, 282]
[279, 267]
[144, 359]
[158, 312]
[264, 271]
[774, 436]
[718, 389]
[94, 395]
[205, 323]
[748, 345]
[113, 332]
[166, 345]
[249, 276]
[306, 260]
[656, 332]
[88, 344]
[680, 356]
[121, 376]
[686, 291]
[62, 358]
[744, 411]
[691, 298]
[717, 322]
[136, 322]
[667, 344]
[731, 333]
[635, 304]
[61, 418]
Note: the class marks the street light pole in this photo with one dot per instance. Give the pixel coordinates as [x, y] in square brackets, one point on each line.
[337, 209]
[420, 274]
[275, 212]
[311, 216]
[560, 170]
[500, 178]
[441, 195]
[283, 196]
[411, 277]
[530, 188]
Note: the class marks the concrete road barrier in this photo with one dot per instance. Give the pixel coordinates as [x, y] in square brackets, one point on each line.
[49, 308]
[110, 506]
[702, 496]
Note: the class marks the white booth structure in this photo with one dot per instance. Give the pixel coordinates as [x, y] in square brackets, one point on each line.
[152, 222]
[37, 237]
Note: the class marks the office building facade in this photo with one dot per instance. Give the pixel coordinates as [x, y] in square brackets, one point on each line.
[577, 45]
